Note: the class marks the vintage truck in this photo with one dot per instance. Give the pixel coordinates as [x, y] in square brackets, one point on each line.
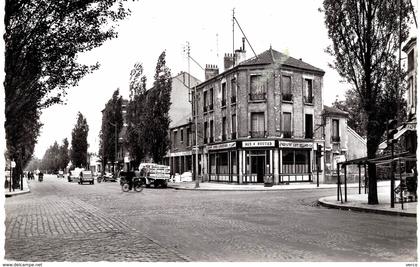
[155, 174]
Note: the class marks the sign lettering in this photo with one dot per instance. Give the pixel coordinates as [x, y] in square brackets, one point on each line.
[222, 146]
[258, 144]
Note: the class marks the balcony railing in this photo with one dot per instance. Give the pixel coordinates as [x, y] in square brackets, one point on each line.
[287, 97]
[257, 134]
[309, 99]
[224, 102]
[233, 99]
[223, 137]
[210, 107]
[287, 134]
[257, 96]
[335, 139]
[234, 135]
[205, 108]
[211, 139]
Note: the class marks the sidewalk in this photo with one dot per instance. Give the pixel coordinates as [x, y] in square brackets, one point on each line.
[358, 202]
[26, 189]
[210, 186]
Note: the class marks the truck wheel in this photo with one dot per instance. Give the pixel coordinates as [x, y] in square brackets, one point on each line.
[156, 183]
[164, 184]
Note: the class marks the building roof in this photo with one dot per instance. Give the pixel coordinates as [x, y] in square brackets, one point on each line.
[334, 111]
[272, 56]
[409, 44]
[181, 122]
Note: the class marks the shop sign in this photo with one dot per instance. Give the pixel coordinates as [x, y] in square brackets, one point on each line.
[258, 144]
[295, 145]
[222, 146]
[182, 153]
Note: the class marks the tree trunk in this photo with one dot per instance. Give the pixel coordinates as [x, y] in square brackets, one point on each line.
[372, 145]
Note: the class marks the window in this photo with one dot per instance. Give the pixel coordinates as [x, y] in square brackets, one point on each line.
[188, 136]
[295, 161]
[257, 124]
[223, 94]
[308, 126]
[175, 137]
[335, 130]
[205, 132]
[308, 97]
[287, 125]
[233, 126]
[223, 128]
[205, 101]
[211, 131]
[193, 103]
[211, 99]
[182, 135]
[410, 60]
[233, 90]
[410, 92]
[287, 88]
[257, 91]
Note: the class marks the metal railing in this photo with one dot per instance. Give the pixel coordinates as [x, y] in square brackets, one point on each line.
[287, 97]
[287, 134]
[257, 96]
[308, 99]
[257, 134]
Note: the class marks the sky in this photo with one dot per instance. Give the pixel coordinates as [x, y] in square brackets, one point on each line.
[295, 27]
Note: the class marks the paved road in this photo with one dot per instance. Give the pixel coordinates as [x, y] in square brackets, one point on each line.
[61, 221]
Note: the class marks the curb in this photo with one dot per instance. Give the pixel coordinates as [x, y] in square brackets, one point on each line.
[361, 209]
[11, 194]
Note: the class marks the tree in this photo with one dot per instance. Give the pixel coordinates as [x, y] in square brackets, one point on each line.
[79, 142]
[112, 123]
[64, 156]
[157, 118]
[365, 37]
[136, 115]
[42, 42]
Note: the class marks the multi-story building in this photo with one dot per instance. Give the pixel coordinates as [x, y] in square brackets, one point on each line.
[258, 119]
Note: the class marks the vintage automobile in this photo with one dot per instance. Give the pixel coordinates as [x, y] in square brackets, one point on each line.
[107, 177]
[60, 174]
[86, 177]
[74, 175]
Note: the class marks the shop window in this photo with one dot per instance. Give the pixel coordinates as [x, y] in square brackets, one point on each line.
[257, 124]
[257, 90]
[223, 163]
[295, 161]
[233, 162]
[302, 161]
[212, 163]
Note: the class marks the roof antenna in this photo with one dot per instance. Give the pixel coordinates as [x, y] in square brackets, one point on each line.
[235, 20]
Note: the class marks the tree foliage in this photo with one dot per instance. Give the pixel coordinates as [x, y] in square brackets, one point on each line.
[42, 42]
[79, 144]
[111, 116]
[365, 38]
[157, 117]
[136, 115]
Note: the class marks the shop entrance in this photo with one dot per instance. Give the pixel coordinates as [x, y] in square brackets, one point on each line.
[258, 167]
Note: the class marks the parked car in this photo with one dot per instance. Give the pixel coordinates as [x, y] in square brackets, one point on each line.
[60, 174]
[74, 175]
[86, 177]
[107, 177]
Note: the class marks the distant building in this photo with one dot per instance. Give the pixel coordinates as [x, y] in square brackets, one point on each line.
[341, 143]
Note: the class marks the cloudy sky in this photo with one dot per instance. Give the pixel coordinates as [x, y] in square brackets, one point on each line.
[295, 27]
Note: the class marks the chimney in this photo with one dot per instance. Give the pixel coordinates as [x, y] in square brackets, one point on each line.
[240, 54]
[211, 71]
[228, 60]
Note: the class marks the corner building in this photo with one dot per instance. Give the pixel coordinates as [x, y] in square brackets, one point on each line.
[259, 119]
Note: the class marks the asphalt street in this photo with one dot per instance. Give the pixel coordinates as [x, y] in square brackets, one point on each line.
[62, 221]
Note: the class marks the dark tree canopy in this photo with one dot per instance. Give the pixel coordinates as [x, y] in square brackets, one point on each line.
[365, 39]
[136, 115]
[42, 41]
[111, 117]
[79, 144]
[157, 118]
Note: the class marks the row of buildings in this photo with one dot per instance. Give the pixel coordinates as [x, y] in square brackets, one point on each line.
[260, 118]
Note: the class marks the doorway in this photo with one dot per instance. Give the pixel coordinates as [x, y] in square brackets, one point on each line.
[258, 167]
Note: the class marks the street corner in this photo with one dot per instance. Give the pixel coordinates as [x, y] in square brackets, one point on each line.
[359, 203]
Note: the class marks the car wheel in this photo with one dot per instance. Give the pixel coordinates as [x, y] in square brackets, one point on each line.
[125, 187]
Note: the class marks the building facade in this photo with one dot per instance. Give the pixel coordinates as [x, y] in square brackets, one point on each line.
[257, 120]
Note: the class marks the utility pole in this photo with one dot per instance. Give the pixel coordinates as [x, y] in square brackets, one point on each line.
[116, 143]
[195, 114]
